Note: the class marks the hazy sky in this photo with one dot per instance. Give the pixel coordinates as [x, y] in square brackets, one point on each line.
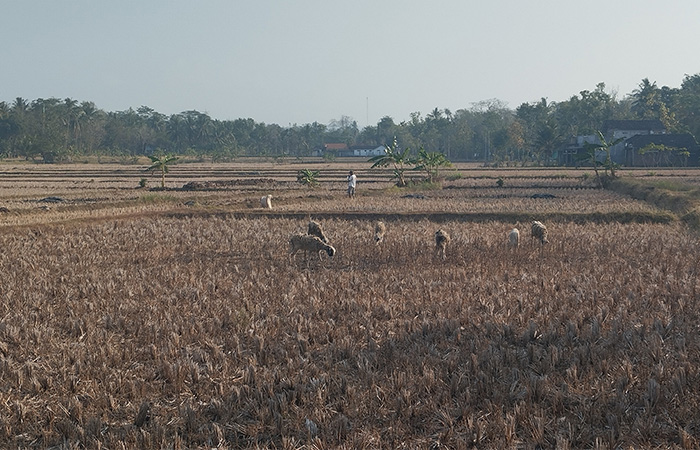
[299, 61]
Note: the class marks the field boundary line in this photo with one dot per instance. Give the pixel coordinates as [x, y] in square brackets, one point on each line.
[597, 217]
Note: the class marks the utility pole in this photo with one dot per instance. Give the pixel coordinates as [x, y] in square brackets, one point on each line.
[367, 111]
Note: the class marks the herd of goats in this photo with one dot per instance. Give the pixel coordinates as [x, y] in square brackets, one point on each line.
[316, 241]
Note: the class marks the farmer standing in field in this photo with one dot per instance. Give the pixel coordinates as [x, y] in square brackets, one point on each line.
[352, 182]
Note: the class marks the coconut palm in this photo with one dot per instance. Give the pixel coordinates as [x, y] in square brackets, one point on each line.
[646, 100]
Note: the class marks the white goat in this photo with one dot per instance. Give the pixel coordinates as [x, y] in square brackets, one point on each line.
[514, 238]
[308, 244]
[266, 201]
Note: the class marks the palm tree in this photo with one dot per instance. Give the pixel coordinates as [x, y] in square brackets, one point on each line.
[71, 115]
[20, 106]
[4, 110]
[176, 130]
[646, 100]
[547, 138]
[392, 156]
[89, 126]
[161, 163]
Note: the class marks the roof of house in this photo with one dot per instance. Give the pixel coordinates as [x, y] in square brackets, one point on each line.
[685, 140]
[338, 146]
[365, 147]
[641, 125]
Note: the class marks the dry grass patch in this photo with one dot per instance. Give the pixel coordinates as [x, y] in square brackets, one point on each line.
[198, 332]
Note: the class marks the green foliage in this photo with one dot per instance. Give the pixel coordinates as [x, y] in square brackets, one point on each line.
[499, 182]
[397, 159]
[590, 154]
[143, 182]
[161, 163]
[663, 154]
[651, 148]
[308, 177]
[61, 130]
[430, 163]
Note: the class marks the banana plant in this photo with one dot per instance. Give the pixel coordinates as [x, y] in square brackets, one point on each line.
[590, 152]
[430, 163]
[308, 177]
[395, 158]
[161, 163]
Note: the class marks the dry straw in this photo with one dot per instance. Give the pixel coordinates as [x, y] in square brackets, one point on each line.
[197, 330]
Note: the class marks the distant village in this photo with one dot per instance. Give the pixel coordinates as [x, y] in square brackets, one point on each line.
[644, 143]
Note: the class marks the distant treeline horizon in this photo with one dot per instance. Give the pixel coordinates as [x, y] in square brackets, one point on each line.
[58, 130]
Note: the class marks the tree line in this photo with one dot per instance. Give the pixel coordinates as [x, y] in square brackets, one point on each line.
[55, 130]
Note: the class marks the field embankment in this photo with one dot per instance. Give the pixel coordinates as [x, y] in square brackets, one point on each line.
[679, 196]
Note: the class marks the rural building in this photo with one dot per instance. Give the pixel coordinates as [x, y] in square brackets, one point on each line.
[332, 149]
[636, 148]
[342, 150]
[639, 138]
[671, 150]
[568, 154]
[367, 151]
[625, 129]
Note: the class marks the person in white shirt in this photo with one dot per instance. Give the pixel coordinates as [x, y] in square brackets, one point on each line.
[352, 182]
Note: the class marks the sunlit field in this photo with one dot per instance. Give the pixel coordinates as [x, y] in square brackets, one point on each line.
[133, 317]
[27, 192]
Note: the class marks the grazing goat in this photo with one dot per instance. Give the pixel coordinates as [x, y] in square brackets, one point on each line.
[379, 231]
[514, 238]
[308, 244]
[441, 241]
[316, 230]
[539, 231]
[266, 201]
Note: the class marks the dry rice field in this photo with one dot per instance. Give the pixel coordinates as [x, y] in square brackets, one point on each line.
[140, 318]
